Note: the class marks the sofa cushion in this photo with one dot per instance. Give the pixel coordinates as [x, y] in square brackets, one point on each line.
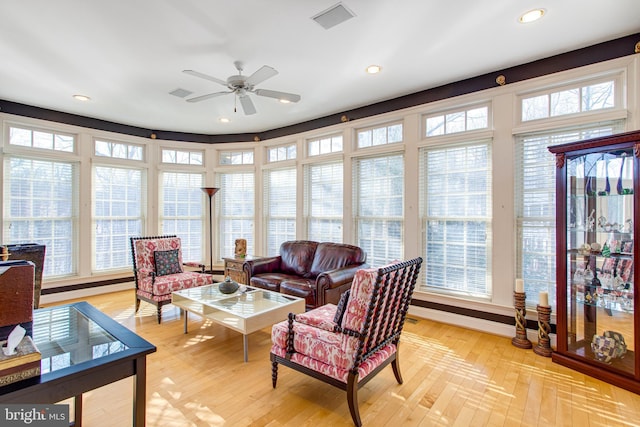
[167, 262]
[301, 288]
[297, 257]
[330, 256]
[270, 281]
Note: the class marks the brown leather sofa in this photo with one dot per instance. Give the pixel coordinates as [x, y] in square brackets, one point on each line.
[317, 272]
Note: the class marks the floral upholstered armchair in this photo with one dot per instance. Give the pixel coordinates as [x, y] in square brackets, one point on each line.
[158, 270]
[348, 344]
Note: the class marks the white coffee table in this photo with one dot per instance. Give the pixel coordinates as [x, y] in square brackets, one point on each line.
[246, 310]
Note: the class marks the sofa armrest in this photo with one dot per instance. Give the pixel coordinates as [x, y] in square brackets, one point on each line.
[335, 282]
[339, 276]
[261, 265]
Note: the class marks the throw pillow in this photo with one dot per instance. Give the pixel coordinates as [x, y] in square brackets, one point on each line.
[167, 262]
[342, 306]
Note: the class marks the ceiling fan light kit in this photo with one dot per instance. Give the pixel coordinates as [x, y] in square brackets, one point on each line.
[241, 86]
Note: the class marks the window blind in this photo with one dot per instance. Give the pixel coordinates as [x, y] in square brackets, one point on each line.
[41, 206]
[119, 206]
[455, 210]
[182, 211]
[279, 207]
[379, 207]
[323, 201]
[236, 204]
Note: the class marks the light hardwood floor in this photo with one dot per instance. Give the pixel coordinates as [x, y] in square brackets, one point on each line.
[452, 377]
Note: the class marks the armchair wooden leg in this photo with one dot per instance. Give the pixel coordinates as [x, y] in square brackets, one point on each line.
[137, 304]
[352, 398]
[396, 369]
[274, 373]
[159, 314]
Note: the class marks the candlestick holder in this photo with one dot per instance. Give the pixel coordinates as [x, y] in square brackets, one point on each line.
[543, 348]
[520, 340]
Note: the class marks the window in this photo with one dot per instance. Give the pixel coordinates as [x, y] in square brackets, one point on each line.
[569, 100]
[379, 207]
[236, 157]
[182, 157]
[41, 206]
[380, 135]
[326, 145]
[457, 121]
[118, 213]
[182, 211]
[42, 139]
[323, 201]
[281, 153]
[279, 208]
[455, 211]
[535, 200]
[118, 150]
[236, 203]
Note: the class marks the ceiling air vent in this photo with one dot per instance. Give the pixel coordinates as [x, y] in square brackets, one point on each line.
[180, 93]
[333, 16]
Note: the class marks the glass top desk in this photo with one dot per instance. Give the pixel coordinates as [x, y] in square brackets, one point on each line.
[82, 349]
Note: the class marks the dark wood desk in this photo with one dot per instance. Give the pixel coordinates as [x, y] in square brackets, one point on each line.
[82, 349]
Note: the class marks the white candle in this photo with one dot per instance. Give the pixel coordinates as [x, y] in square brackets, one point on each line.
[519, 285]
[543, 299]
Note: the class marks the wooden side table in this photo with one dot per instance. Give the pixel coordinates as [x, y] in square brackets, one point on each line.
[233, 268]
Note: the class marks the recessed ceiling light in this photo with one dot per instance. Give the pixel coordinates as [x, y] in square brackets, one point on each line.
[224, 120]
[82, 97]
[374, 69]
[285, 101]
[532, 15]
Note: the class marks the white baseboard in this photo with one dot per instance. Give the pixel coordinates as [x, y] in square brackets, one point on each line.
[83, 293]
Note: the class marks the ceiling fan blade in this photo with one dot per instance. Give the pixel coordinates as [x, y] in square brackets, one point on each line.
[283, 96]
[261, 75]
[205, 76]
[247, 105]
[208, 96]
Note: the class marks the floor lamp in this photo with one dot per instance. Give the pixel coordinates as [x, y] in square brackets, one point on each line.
[210, 192]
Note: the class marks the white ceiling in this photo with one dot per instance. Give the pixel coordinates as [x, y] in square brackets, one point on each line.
[127, 55]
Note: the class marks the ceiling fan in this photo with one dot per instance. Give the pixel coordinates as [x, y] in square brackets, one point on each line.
[241, 86]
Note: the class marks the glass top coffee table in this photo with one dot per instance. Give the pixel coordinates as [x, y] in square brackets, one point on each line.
[246, 310]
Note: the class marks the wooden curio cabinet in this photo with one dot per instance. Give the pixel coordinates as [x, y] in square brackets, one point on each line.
[597, 190]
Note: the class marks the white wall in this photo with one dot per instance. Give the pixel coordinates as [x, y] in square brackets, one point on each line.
[503, 101]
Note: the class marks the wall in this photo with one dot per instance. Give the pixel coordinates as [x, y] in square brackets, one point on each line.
[503, 101]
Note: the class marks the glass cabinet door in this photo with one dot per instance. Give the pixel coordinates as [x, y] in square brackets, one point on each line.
[600, 308]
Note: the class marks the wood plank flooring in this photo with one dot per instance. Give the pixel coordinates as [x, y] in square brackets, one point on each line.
[452, 377]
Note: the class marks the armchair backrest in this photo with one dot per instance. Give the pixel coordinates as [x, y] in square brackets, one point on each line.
[378, 304]
[143, 249]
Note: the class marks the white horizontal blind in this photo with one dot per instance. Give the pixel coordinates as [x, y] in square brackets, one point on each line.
[236, 204]
[41, 206]
[456, 215]
[279, 207]
[379, 207]
[118, 213]
[323, 200]
[535, 200]
[182, 211]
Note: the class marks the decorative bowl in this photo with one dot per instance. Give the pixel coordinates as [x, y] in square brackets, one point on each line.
[228, 286]
[607, 348]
